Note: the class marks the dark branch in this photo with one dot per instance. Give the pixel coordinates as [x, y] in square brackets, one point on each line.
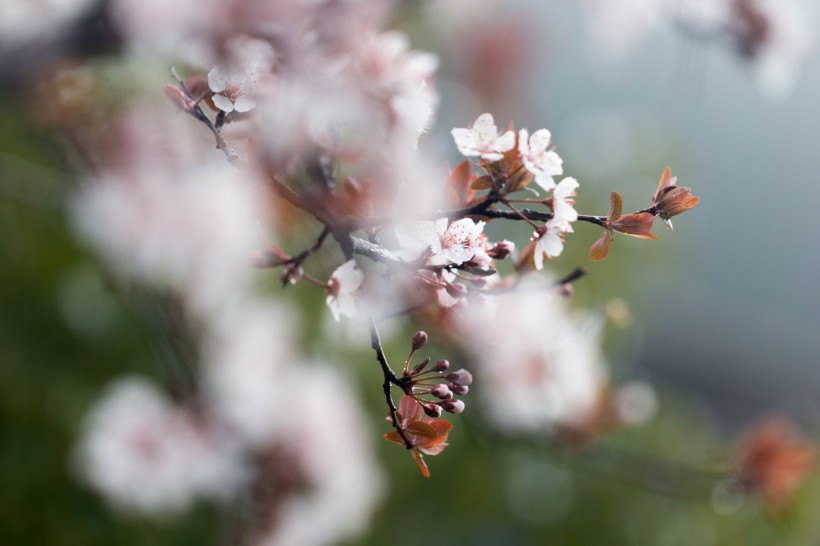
[389, 379]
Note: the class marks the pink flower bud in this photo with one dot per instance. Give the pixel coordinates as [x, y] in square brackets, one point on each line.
[460, 390]
[441, 391]
[441, 366]
[419, 339]
[501, 250]
[432, 410]
[460, 377]
[453, 406]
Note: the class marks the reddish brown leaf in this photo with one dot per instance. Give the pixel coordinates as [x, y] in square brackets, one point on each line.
[637, 225]
[482, 183]
[600, 248]
[419, 458]
[616, 206]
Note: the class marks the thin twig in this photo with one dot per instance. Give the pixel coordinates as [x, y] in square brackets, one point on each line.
[197, 112]
[389, 379]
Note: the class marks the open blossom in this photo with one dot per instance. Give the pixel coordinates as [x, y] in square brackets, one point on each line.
[550, 240]
[483, 139]
[233, 85]
[342, 289]
[145, 455]
[543, 368]
[538, 158]
[456, 243]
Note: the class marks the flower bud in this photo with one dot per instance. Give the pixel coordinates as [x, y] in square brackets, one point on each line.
[452, 406]
[460, 377]
[501, 250]
[419, 339]
[432, 410]
[460, 390]
[441, 366]
[420, 367]
[441, 391]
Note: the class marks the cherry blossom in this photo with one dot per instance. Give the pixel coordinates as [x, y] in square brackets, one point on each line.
[233, 84]
[538, 158]
[543, 368]
[550, 239]
[342, 290]
[456, 243]
[145, 455]
[483, 139]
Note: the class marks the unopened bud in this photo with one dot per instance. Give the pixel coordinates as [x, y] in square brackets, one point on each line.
[441, 366]
[420, 367]
[501, 250]
[453, 406]
[460, 390]
[566, 290]
[460, 377]
[432, 410]
[419, 339]
[441, 391]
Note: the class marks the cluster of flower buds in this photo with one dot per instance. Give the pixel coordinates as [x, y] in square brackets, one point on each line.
[436, 388]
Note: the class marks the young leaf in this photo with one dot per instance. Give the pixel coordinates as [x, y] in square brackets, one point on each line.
[600, 248]
[616, 206]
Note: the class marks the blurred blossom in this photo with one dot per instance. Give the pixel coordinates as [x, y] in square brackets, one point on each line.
[148, 456]
[188, 226]
[780, 46]
[338, 480]
[775, 35]
[635, 402]
[618, 27]
[537, 365]
[24, 20]
[251, 372]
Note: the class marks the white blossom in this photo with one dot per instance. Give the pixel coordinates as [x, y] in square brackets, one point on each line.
[145, 455]
[343, 288]
[544, 367]
[340, 480]
[789, 41]
[538, 158]
[551, 241]
[233, 85]
[456, 243]
[483, 140]
[22, 20]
